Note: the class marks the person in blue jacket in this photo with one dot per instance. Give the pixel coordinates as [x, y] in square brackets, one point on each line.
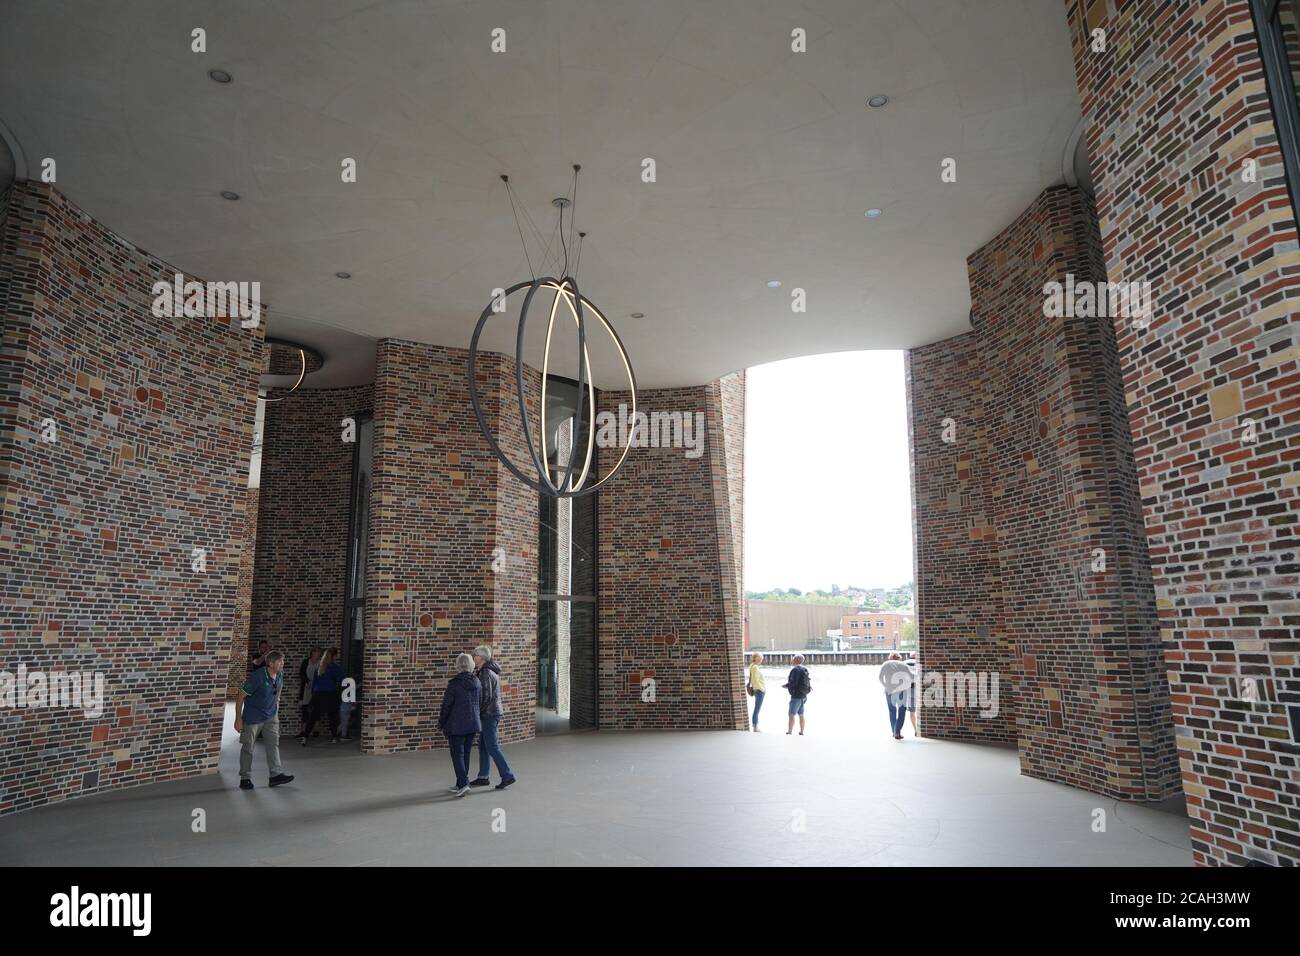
[325, 696]
[459, 719]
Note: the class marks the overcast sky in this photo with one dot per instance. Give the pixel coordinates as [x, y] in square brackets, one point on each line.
[827, 494]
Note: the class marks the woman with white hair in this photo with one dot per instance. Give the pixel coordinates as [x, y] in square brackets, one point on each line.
[459, 719]
[490, 711]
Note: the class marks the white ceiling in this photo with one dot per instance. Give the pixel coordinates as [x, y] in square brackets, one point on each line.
[766, 158]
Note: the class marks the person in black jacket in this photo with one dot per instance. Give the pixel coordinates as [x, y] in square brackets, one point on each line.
[459, 719]
[490, 711]
[799, 684]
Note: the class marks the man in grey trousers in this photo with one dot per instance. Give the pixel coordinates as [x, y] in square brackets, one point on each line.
[257, 713]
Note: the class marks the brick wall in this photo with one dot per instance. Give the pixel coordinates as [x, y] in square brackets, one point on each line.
[441, 506]
[670, 570]
[958, 579]
[302, 527]
[239, 646]
[1034, 503]
[154, 422]
[1175, 105]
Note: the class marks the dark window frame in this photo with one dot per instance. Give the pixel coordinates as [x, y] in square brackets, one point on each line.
[1280, 82]
[594, 597]
[350, 600]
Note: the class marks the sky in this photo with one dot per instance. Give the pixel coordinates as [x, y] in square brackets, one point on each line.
[827, 489]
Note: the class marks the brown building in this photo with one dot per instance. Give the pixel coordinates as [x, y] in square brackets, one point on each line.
[875, 628]
[787, 626]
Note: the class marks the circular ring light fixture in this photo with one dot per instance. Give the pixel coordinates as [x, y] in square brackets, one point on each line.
[569, 481]
[306, 356]
[570, 485]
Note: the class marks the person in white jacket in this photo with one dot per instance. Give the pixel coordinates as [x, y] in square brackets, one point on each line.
[896, 678]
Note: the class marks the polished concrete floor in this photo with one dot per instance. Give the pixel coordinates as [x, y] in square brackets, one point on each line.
[843, 795]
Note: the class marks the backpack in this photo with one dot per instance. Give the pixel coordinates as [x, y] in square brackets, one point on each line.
[801, 684]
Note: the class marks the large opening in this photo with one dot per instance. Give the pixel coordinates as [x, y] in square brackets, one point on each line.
[828, 537]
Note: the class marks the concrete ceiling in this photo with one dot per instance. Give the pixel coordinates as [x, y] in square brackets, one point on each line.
[766, 159]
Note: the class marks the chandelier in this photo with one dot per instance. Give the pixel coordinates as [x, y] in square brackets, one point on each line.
[573, 479]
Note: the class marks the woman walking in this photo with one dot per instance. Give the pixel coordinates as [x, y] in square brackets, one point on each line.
[757, 687]
[459, 719]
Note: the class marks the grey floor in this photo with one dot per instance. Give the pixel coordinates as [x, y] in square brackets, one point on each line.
[845, 795]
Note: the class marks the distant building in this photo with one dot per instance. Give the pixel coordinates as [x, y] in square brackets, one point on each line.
[873, 629]
[786, 626]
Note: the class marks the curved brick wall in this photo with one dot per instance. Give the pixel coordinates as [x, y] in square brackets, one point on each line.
[301, 528]
[155, 427]
[1038, 483]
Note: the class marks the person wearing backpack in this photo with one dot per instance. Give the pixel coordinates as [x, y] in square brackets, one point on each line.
[799, 684]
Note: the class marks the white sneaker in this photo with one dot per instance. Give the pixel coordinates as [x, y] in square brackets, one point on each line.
[461, 791]
[453, 789]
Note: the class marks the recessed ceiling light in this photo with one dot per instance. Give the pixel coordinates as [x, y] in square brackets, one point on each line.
[344, 275]
[219, 76]
[227, 194]
[872, 213]
[638, 315]
[877, 101]
[774, 283]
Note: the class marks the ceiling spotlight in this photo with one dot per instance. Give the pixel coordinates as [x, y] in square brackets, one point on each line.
[227, 194]
[343, 275]
[638, 315]
[219, 76]
[877, 101]
[774, 283]
[872, 213]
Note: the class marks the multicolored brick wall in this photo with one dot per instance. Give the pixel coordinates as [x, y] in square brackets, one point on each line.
[239, 646]
[671, 560]
[154, 420]
[1176, 104]
[1033, 502]
[304, 505]
[958, 581]
[441, 507]
[1092, 708]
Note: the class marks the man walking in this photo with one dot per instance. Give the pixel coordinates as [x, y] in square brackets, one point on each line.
[799, 684]
[490, 710]
[257, 713]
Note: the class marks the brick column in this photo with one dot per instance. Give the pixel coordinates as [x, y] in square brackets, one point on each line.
[671, 556]
[1030, 558]
[444, 513]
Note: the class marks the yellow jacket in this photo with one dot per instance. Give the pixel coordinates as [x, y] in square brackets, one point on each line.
[756, 678]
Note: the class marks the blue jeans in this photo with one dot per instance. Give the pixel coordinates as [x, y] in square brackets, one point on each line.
[488, 747]
[897, 710]
[758, 705]
[462, 745]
